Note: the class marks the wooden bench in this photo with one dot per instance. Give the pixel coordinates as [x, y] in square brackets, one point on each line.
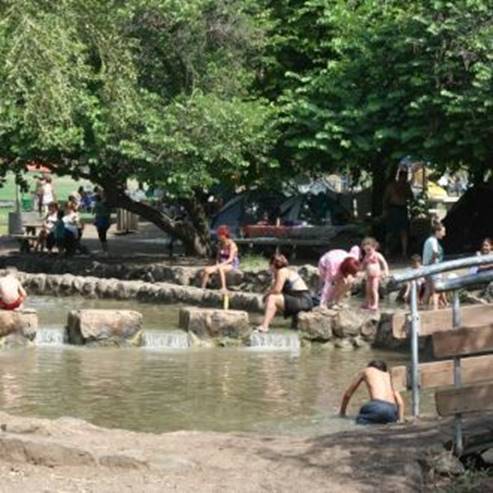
[473, 391]
[433, 321]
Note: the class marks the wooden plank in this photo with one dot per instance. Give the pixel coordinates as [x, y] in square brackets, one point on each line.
[464, 400]
[440, 373]
[463, 341]
[440, 320]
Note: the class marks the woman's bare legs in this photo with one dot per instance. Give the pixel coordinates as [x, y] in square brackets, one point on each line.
[206, 273]
[273, 303]
[223, 270]
[342, 286]
[373, 283]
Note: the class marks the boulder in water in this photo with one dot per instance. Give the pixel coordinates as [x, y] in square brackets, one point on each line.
[105, 327]
[209, 323]
[351, 322]
[17, 328]
[316, 325]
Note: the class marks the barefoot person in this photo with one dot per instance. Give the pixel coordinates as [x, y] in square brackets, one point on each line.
[433, 254]
[385, 405]
[337, 270]
[227, 258]
[375, 267]
[12, 294]
[288, 293]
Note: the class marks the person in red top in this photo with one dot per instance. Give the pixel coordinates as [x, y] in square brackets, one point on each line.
[12, 294]
[227, 258]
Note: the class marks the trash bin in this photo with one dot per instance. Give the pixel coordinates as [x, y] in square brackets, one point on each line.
[15, 223]
[27, 203]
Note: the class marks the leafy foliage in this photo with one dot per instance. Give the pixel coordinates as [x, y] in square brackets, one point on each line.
[386, 79]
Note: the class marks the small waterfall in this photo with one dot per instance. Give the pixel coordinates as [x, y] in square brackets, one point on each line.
[275, 341]
[166, 339]
[50, 337]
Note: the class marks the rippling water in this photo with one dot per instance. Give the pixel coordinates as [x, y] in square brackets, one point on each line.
[206, 389]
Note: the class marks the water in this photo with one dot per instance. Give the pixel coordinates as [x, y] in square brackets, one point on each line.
[50, 336]
[275, 341]
[295, 392]
[166, 339]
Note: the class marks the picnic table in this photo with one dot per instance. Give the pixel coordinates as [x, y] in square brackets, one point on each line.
[28, 238]
[292, 237]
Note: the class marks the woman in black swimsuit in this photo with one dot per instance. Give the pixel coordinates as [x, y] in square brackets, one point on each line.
[288, 293]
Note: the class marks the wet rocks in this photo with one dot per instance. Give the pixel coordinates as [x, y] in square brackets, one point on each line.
[316, 325]
[207, 324]
[17, 328]
[347, 328]
[104, 327]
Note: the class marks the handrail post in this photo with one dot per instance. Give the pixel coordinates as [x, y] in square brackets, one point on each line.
[415, 348]
[456, 323]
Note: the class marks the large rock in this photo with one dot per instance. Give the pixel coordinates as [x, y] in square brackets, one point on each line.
[17, 328]
[206, 323]
[316, 325]
[105, 327]
[352, 322]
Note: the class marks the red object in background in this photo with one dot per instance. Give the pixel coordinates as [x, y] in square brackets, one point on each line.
[258, 231]
[37, 168]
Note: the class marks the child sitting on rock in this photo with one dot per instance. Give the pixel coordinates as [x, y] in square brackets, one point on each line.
[375, 266]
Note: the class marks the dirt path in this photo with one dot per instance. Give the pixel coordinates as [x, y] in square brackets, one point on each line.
[70, 455]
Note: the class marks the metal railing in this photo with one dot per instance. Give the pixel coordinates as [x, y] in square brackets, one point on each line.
[411, 275]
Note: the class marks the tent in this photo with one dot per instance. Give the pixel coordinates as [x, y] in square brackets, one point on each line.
[469, 220]
[250, 207]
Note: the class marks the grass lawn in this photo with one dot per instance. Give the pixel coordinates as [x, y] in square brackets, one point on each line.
[63, 187]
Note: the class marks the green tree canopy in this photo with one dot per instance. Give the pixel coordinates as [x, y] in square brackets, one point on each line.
[378, 80]
[156, 90]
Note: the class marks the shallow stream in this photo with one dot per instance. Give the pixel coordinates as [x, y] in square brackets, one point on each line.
[272, 387]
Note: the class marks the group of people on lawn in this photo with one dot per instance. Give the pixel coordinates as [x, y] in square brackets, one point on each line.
[62, 226]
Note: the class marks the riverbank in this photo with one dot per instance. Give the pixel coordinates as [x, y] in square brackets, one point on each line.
[72, 455]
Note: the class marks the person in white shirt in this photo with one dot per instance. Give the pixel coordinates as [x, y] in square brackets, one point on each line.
[47, 193]
[433, 254]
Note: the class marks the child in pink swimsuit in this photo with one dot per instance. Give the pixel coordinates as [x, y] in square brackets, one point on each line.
[375, 266]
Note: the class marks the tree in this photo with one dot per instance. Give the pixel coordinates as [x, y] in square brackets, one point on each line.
[144, 89]
[389, 79]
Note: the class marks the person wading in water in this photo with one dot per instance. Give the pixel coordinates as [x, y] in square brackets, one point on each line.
[385, 405]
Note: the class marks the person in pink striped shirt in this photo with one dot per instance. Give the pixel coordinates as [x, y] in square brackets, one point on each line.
[337, 270]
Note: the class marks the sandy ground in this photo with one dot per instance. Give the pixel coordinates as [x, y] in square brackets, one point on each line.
[69, 455]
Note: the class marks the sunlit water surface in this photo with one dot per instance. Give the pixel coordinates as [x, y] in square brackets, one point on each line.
[160, 389]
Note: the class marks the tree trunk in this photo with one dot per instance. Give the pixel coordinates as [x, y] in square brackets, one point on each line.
[382, 173]
[193, 233]
[379, 182]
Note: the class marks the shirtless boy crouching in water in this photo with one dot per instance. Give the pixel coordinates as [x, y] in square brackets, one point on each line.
[12, 294]
[385, 405]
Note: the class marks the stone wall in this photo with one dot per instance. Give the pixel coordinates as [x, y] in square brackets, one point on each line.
[159, 292]
[253, 281]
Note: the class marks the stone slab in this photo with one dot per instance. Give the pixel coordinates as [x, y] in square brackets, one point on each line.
[104, 327]
[20, 326]
[207, 323]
